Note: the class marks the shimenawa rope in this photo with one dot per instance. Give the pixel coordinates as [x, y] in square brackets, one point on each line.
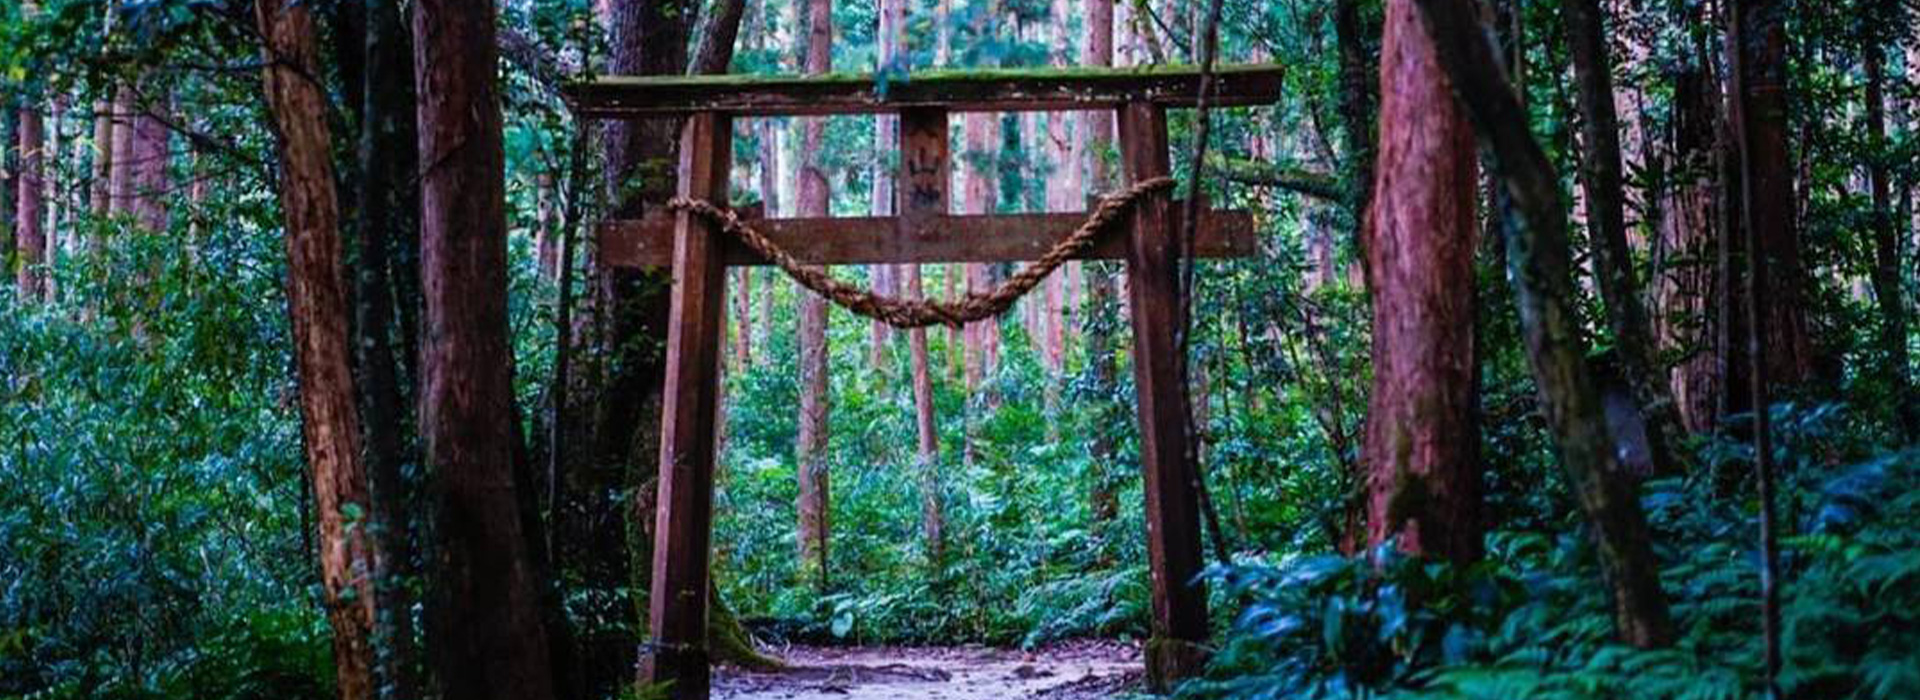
[920, 313]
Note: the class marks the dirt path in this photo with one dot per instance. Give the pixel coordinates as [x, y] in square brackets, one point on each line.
[1075, 671]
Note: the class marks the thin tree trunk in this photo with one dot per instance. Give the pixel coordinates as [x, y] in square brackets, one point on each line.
[120, 185]
[57, 191]
[1103, 309]
[1064, 194]
[1886, 240]
[1539, 267]
[546, 246]
[149, 149]
[317, 300]
[1756, 45]
[891, 20]
[743, 320]
[103, 138]
[1602, 181]
[1422, 446]
[927, 456]
[29, 232]
[1359, 100]
[981, 337]
[388, 215]
[484, 606]
[814, 502]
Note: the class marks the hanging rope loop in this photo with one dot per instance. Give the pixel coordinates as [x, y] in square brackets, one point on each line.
[920, 313]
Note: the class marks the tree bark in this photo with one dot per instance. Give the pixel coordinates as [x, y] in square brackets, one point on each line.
[927, 453]
[1690, 238]
[1886, 238]
[389, 219]
[1756, 38]
[610, 548]
[1535, 228]
[814, 501]
[1359, 103]
[484, 608]
[891, 22]
[1757, 50]
[1602, 181]
[1064, 193]
[716, 47]
[317, 300]
[1103, 312]
[982, 147]
[1422, 445]
[141, 150]
[103, 138]
[29, 232]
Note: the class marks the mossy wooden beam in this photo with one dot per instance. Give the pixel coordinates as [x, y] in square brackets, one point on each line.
[1010, 90]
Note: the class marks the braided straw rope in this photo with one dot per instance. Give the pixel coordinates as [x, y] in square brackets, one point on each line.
[918, 313]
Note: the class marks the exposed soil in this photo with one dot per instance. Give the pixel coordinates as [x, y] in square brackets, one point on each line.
[1071, 671]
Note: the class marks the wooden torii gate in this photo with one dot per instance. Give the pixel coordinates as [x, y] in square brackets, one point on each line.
[923, 231]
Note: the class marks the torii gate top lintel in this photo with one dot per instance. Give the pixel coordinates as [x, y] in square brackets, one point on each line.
[698, 248]
[982, 90]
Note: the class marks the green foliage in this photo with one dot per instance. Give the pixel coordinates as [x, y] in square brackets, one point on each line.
[1529, 621]
[150, 519]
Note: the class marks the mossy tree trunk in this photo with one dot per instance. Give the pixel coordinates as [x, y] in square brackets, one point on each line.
[1540, 268]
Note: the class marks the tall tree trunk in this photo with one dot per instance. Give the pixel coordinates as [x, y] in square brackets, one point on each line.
[1422, 446]
[29, 232]
[891, 18]
[1539, 266]
[119, 184]
[1756, 37]
[1602, 181]
[927, 455]
[1359, 101]
[1757, 50]
[317, 300]
[609, 547]
[1887, 287]
[982, 338]
[9, 183]
[389, 215]
[814, 502]
[103, 137]
[1064, 194]
[1103, 308]
[484, 608]
[141, 174]
[1689, 230]
[546, 239]
[57, 190]
[982, 147]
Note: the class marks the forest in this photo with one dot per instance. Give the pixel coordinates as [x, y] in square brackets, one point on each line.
[630, 349]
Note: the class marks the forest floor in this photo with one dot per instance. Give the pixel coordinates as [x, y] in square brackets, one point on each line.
[1090, 670]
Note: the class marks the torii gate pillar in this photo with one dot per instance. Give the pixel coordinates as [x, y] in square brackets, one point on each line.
[1171, 484]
